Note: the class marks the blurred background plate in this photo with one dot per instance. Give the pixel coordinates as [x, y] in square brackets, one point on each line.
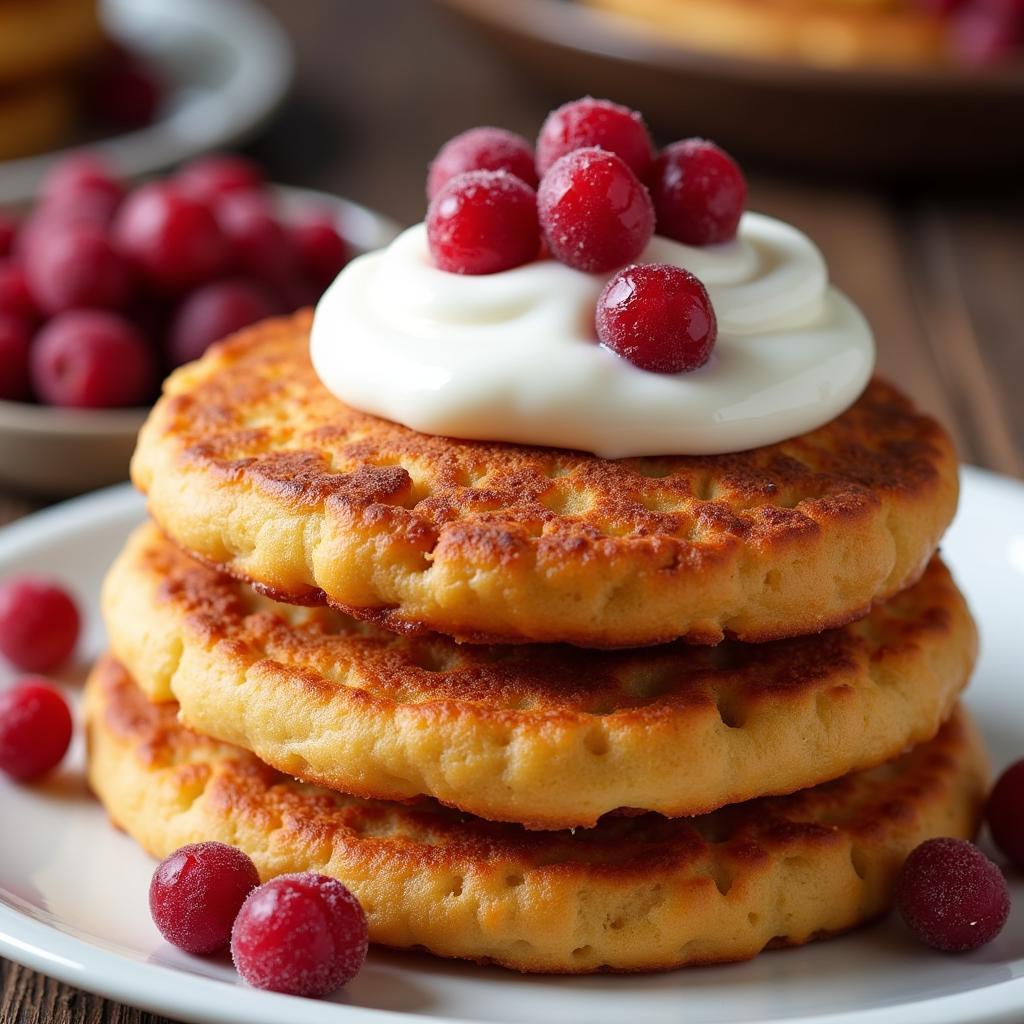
[225, 65]
[852, 120]
[56, 452]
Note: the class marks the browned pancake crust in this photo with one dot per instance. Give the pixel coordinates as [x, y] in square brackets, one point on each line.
[676, 729]
[250, 464]
[633, 894]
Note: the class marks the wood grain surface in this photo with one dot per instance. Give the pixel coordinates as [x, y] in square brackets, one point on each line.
[939, 272]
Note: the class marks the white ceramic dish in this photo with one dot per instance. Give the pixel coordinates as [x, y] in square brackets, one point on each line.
[45, 450]
[73, 890]
[226, 65]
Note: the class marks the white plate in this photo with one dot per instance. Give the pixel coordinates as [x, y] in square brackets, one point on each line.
[225, 65]
[73, 890]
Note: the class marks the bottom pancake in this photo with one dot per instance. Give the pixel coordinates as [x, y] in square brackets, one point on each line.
[632, 894]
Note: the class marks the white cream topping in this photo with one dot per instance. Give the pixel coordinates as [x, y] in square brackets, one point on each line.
[513, 356]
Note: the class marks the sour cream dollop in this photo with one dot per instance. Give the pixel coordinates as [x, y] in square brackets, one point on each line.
[513, 356]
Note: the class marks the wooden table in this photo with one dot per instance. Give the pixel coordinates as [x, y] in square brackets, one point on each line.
[381, 85]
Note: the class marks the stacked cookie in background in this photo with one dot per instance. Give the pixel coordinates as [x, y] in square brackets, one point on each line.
[535, 707]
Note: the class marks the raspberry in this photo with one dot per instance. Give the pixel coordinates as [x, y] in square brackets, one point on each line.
[14, 348]
[35, 729]
[90, 359]
[952, 897]
[482, 149]
[259, 243]
[658, 317]
[483, 222]
[8, 232]
[15, 298]
[301, 934]
[39, 623]
[172, 239]
[587, 123]
[699, 193]
[595, 213]
[212, 177]
[211, 313]
[82, 178]
[1006, 814]
[196, 894]
[123, 92]
[319, 248]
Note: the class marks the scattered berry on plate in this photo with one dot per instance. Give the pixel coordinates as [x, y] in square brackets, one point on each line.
[319, 248]
[589, 122]
[952, 897]
[482, 222]
[699, 193]
[482, 149]
[595, 213]
[15, 384]
[305, 935]
[212, 177]
[35, 729]
[196, 893]
[1006, 814]
[39, 623]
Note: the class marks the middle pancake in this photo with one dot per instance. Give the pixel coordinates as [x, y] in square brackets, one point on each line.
[547, 735]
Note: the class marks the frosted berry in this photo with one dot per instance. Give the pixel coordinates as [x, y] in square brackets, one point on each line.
[196, 894]
[319, 248]
[39, 623]
[952, 896]
[91, 359]
[1006, 814]
[482, 149]
[82, 178]
[301, 934]
[699, 193]
[595, 213]
[8, 232]
[212, 177]
[483, 222]
[259, 244]
[213, 312]
[35, 729]
[590, 122]
[14, 348]
[15, 298]
[658, 317]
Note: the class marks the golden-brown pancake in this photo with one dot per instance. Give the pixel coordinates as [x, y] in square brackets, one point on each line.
[498, 731]
[633, 894]
[251, 465]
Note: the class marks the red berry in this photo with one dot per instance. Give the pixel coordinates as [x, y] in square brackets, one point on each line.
[196, 894]
[658, 317]
[15, 385]
[595, 213]
[482, 222]
[699, 193]
[952, 896]
[212, 177]
[988, 31]
[259, 243]
[91, 359]
[8, 232]
[77, 266]
[39, 623]
[319, 248]
[213, 312]
[123, 91]
[15, 298]
[174, 240]
[301, 934]
[82, 178]
[35, 729]
[1006, 814]
[482, 149]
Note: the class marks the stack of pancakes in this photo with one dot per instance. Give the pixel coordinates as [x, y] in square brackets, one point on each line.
[534, 707]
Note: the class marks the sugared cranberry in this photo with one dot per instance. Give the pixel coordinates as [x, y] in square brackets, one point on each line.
[260, 246]
[82, 179]
[123, 91]
[77, 267]
[952, 896]
[589, 122]
[15, 297]
[211, 177]
[15, 385]
[483, 222]
[482, 149]
[172, 239]
[1006, 814]
[196, 894]
[301, 934]
[319, 248]
[699, 193]
[659, 317]
[595, 213]
[8, 232]
[91, 359]
[35, 729]
[213, 312]
[39, 623]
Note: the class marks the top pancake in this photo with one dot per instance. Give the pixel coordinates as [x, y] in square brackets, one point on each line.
[251, 465]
